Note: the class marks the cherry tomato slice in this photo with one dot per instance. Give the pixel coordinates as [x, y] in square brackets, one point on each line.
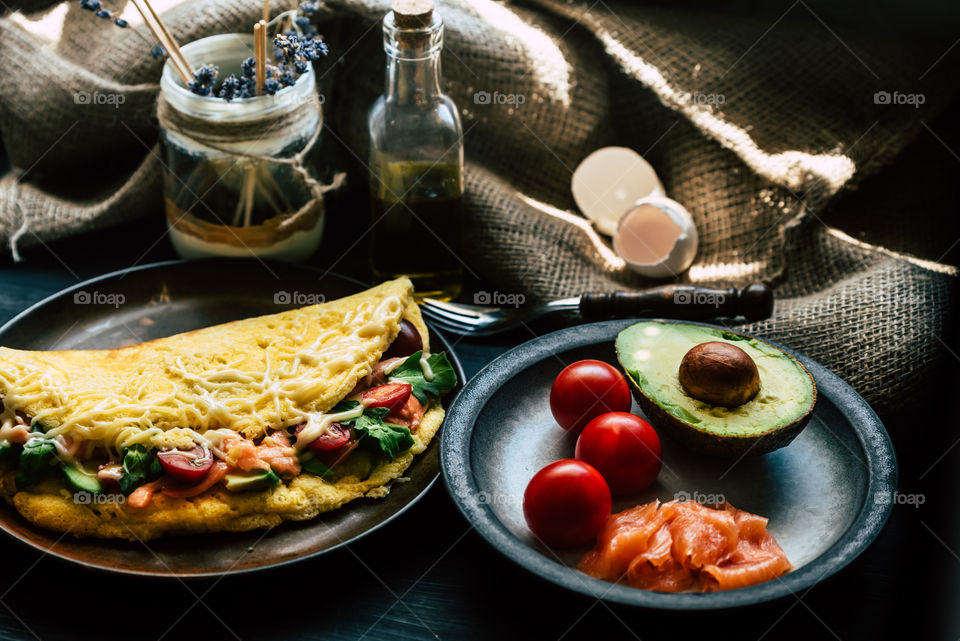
[334, 438]
[186, 465]
[566, 503]
[392, 395]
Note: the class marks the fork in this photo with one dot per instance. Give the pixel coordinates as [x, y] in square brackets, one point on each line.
[685, 302]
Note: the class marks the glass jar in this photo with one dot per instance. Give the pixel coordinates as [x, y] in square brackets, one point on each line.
[416, 163]
[234, 179]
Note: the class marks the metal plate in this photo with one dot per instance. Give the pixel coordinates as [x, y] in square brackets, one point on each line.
[161, 299]
[827, 494]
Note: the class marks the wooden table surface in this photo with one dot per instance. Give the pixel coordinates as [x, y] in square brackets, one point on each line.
[429, 576]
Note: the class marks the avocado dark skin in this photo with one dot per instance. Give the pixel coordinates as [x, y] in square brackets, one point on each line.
[719, 373]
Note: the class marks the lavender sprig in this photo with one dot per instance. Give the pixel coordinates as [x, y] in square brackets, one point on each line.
[204, 80]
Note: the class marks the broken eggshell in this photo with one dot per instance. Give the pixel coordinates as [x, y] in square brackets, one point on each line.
[609, 181]
[656, 237]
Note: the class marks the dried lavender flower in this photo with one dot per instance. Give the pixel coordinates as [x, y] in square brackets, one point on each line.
[158, 51]
[249, 67]
[120, 22]
[90, 5]
[203, 80]
[103, 13]
[271, 86]
[230, 88]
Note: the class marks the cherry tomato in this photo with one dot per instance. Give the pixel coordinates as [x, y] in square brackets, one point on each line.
[566, 503]
[392, 395]
[334, 438]
[624, 448]
[186, 465]
[585, 390]
[407, 342]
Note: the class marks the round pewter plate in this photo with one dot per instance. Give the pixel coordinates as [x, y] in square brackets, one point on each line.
[827, 495]
[153, 301]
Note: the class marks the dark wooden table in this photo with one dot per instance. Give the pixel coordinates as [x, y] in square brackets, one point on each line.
[428, 575]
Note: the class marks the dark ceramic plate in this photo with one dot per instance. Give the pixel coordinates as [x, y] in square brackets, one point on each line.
[158, 300]
[827, 494]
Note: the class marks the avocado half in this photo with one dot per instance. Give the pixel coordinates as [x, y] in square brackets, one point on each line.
[650, 353]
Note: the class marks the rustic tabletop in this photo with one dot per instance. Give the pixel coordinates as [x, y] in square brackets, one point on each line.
[428, 575]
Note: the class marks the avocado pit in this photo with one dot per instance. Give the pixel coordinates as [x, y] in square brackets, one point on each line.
[719, 373]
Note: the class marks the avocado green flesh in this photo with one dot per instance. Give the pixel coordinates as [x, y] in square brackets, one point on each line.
[251, 481]
[80, 481]
[651, 353]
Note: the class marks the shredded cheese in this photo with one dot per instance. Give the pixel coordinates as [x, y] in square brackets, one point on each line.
[195, 398]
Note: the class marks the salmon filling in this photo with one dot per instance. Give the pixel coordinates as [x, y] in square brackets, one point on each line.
[684, 545]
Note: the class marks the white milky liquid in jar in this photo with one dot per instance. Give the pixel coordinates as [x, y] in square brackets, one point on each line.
[646, 234]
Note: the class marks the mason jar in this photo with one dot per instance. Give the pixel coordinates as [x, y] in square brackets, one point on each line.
[235, 181]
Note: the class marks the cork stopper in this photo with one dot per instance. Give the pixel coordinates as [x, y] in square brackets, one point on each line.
[412, 14]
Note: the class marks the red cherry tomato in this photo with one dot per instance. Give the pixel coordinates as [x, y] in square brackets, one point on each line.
[392, 395]
[406, 343]
[566, 503]
[585, 390]
[186, 465]
[624, 448]
[336, 436]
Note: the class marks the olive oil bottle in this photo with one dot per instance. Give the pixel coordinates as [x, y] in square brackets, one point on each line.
[416, 159]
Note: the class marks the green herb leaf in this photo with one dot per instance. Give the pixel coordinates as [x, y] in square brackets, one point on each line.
[37, 461]
[10, 456]
[391, 439]
[410, 371]
[139, 466]
[315, 467]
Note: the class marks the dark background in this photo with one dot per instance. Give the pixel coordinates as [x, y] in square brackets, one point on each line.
[428, 575]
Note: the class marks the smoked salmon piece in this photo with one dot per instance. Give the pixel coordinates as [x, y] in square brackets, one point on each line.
[678, 546]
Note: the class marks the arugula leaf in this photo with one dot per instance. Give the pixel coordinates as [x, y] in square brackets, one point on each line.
[139, 466]
[10, 456]
[37, 461]
[315, 467]
[391, 439]
[409, 371]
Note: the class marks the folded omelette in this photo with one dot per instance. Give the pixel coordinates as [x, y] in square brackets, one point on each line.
[228, 428]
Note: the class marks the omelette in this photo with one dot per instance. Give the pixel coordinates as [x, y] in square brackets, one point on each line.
[228, 428]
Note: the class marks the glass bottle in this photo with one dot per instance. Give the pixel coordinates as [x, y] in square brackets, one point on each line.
[416, 159]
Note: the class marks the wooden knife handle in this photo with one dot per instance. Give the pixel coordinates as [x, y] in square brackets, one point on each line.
[687, 302]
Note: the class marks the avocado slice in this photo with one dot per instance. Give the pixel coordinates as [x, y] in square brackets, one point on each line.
[651, 352]
[81, 481]
[251, 481]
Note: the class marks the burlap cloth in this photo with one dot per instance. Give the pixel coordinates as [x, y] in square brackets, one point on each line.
[798, 123]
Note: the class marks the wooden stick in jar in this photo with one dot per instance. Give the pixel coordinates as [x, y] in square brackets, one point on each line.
[174, 49]
[186, 74]
[260, 54]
